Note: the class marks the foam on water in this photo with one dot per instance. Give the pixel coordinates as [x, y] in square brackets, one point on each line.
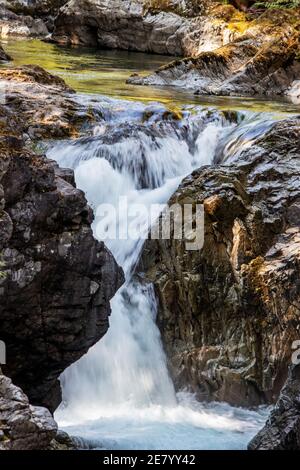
[120, 395]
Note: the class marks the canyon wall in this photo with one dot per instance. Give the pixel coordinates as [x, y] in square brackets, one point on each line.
[56, 279]
[229, 313]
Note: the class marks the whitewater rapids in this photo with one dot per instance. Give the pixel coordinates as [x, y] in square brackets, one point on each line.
[120, 395]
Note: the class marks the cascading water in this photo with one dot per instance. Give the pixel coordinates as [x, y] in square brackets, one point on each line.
[120, 394]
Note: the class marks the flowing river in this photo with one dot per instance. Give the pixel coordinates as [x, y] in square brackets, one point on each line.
[120, 395]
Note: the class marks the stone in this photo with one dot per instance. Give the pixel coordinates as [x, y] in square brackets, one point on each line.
[145, 26]
[282, 430]
[51, 312]
[3, 56]
[263, 60]
[22, 426]
[12, 24]
[229, 313]
[43, 104]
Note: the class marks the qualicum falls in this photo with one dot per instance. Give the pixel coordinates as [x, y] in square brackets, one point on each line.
[120, 395]
[143, 143]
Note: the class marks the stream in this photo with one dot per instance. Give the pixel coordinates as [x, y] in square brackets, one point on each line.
[146, 140]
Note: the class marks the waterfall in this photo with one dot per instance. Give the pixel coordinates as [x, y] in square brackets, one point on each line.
[120, 394]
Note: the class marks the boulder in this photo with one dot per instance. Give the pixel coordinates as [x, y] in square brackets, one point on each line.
[22, 426]
[282, 430]
[12, 24]
[56, 279]
[43, 104]
[3, 56]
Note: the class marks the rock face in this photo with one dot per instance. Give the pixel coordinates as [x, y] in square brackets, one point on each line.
[228, 313]
[138, 25]
[12, 24]
[282, 430]
[58, 280]
[45, 105]
[263, 61]
[41, 11]
[22, 426]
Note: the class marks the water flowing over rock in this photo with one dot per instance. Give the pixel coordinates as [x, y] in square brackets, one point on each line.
[22, 426]
[57, 280]
[282, 430]
[228, 313]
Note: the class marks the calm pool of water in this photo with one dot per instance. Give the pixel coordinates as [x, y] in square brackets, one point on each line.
[105, 72]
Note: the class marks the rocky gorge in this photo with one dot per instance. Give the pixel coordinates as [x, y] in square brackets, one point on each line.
[229, 313]
[57, 280]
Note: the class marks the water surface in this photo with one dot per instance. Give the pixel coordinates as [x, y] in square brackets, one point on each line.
[105, 72]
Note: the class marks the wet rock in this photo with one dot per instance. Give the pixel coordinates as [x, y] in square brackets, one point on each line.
[3, 56]
[146, 26]
[50, 312]
[262, 61]
[44, 104]
[63, 441]
[42, 10]
[22, 426]
[12, 24]
[282, 430]
[228, 313]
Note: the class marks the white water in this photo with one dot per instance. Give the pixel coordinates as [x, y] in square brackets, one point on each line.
[120, 396]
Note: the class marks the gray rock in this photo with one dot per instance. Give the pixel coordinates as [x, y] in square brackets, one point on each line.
[12, 24]
[3, 56]
[22, 426]
[132, 25]
[50, 311]
[282, 430]
[261, 61]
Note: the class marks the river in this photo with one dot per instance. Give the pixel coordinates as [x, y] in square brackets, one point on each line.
[120, 395]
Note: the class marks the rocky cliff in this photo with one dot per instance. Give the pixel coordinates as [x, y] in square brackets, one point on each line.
[163, 27]
[57, 280]
[12, 24]
[228, 313]
[262, 60]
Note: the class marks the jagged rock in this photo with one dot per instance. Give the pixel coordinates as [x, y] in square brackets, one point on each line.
[263, 61]
[54, 297]
[137, 25]
[35, 7]
[45, 10]
[22, 426]
[43, 103]
[3, 56]
[229, 313]
[63, 441]
[282, 430]
[12, 24]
